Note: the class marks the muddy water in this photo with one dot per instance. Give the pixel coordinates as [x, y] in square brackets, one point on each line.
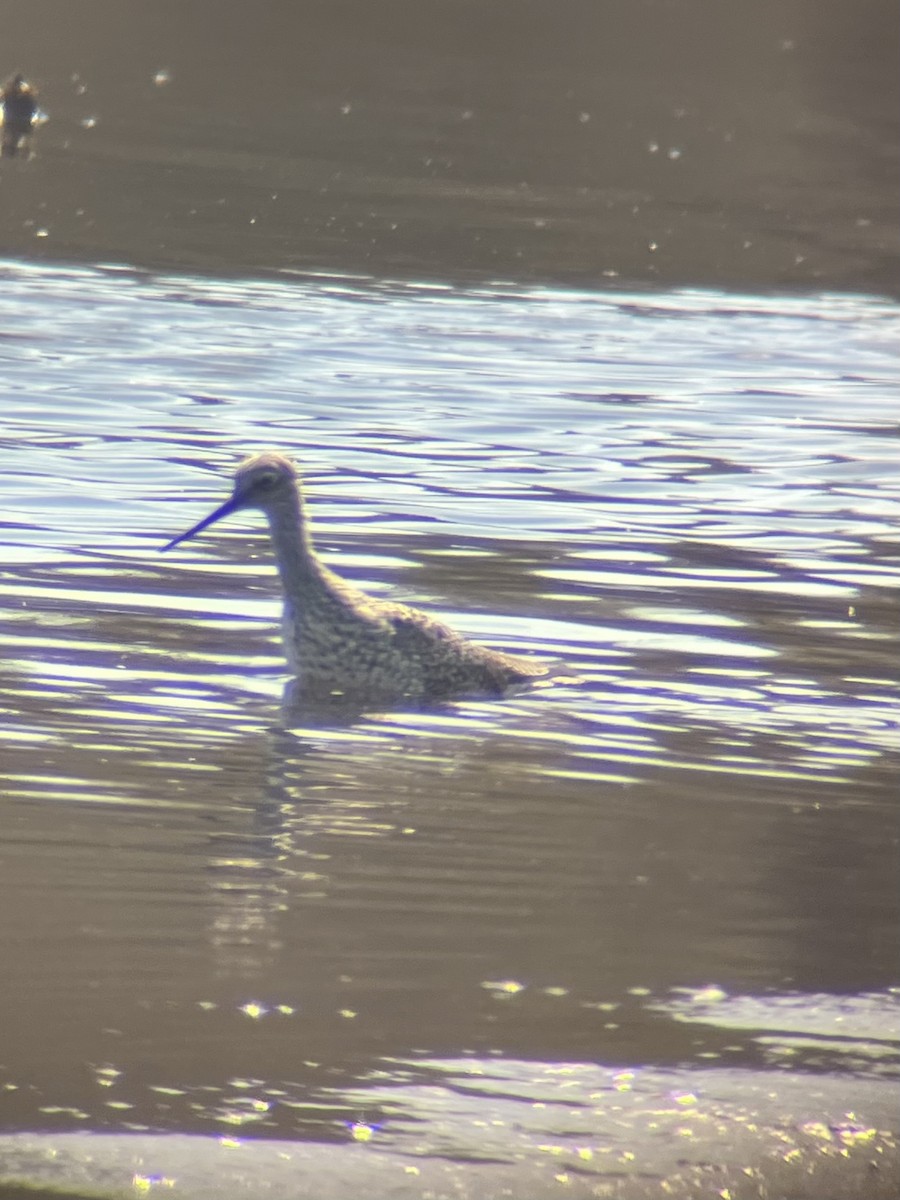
[670, 876]
[748, 146]
[629, 934]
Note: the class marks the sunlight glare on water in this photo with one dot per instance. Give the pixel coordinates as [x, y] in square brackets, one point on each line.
[690, 500]
[600, 464]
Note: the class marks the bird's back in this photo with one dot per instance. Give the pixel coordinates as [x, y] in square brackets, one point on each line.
[342, 641]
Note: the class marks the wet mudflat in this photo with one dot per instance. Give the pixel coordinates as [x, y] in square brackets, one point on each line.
[748, 146]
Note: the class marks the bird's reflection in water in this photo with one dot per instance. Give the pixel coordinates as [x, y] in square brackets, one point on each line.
[314, 781]
[252, 872]
[259, 872]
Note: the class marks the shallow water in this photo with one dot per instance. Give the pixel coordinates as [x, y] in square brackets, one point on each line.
[222, 914]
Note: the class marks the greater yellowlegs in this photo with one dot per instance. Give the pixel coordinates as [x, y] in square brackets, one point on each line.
[341, 642]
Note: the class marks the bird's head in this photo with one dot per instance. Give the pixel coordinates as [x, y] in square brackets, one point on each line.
[263, 481]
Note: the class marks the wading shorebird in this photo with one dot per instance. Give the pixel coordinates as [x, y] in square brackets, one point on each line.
[338, 641]
[18, 107]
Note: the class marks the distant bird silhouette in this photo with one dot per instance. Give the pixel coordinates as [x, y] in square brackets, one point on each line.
[18, 103]
[339, 642]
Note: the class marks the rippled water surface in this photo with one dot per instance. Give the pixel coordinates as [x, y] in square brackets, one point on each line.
[672, 871]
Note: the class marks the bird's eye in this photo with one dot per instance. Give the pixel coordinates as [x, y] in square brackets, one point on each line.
[267, 481]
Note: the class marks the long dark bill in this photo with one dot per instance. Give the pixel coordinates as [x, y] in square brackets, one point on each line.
[223, 510]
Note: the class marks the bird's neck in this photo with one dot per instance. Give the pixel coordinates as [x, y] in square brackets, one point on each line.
[298, 563]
